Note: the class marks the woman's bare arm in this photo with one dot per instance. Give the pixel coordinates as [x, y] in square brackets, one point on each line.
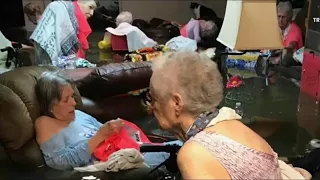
[43, 134]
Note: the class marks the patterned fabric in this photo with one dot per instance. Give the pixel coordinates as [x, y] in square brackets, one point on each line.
[201, 123]
[56, 32]
[146, 54]
[240, 161]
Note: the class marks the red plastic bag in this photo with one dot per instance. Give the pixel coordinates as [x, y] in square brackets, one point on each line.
[129, 137]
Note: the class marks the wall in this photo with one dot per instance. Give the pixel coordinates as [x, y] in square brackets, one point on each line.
[169, 10]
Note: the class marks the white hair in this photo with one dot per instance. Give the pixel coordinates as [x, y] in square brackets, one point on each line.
[124, 16]
[194, 76]
[207, 28]
[285, 6]
[93, 2]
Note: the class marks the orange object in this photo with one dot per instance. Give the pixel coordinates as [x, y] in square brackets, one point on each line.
[121, 140]
[148, 49]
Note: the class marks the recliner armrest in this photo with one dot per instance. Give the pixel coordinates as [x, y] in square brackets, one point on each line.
[115, 79]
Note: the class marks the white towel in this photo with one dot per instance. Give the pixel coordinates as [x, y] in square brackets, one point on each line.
[121, 160]
[182, 44]
[4, 42]
[210, 53]
[136, 39]
[288, 172]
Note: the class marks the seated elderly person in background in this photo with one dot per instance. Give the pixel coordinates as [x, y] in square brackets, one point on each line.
[68, 137]
[33, 12]
[136, 39]
[63, 30]
[195, 29]
[185, 91]
[291, 36]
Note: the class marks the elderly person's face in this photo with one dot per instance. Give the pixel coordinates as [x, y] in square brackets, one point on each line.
[167, 109]
[88, 7]
[283, 19]
[64, 109]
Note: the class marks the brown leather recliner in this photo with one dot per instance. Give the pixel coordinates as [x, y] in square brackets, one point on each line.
[20, 156]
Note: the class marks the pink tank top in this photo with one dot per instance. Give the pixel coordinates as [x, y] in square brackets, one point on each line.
[294, 34]
[183, 31]
[241, 162]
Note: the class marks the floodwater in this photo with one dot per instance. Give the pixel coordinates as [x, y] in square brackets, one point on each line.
[270, 110]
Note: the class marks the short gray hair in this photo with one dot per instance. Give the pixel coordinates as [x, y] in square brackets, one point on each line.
[194, 76]
[48, 90]
[285, 6]
[207, 28]
[124, 16]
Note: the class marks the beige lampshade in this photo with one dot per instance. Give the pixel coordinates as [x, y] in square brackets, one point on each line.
[251, 25]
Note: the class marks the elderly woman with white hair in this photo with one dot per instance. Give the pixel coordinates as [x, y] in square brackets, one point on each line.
[124, 17]
[185, 91]
[136, 39]
[291, 35]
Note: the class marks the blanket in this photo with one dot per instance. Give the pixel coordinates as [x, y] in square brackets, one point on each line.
[121, 160]
[56, 32]
[136, 39]
[181, 43]
[4, 42]
[289, 172]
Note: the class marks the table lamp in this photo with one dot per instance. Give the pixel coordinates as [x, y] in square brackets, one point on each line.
[251, 25]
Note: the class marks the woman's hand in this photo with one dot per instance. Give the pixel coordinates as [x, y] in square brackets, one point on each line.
[111, 127]
[105, 130]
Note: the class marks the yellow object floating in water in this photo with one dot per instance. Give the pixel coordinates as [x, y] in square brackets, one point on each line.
[104, 44]
[105, 55]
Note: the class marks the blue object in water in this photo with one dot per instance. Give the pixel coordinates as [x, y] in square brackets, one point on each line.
[241, 64]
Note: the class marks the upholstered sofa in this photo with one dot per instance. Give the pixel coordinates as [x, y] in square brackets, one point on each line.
[103, 92]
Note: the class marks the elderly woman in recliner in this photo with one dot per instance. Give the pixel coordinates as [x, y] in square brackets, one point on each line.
[68, 137]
